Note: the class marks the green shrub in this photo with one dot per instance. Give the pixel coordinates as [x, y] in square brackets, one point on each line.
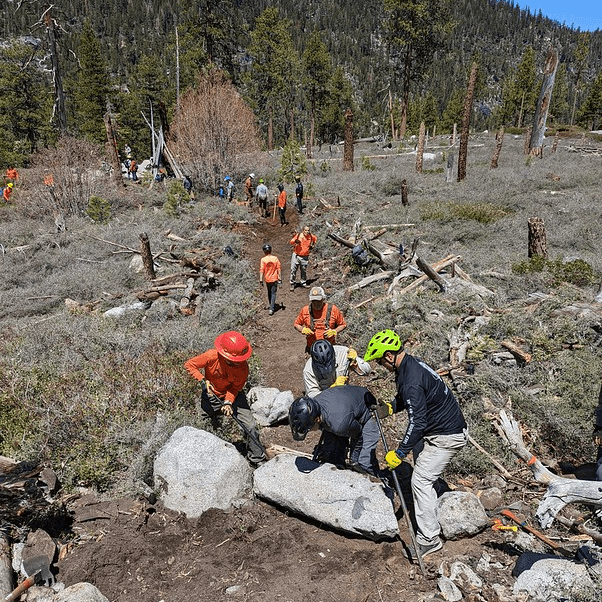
[576, 271]
[99, 209]
[367, 165]
[484, 213]
[292, 162]
[176, 197]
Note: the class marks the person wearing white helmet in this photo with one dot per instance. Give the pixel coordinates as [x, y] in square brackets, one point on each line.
[249, 189]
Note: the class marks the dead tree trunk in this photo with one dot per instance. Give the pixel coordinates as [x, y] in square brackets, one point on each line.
[466, 123]
[537, 238]
[404, 193]
[112, 151]
[527, 141]
[420, 148]
[450, 167]
[348, 152]
[560, 491]
[499, 139]
[543, 104]
[147, 258]
[556, 141]
[59, 93]
[391, 114]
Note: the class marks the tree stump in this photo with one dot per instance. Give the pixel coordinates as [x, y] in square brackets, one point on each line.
[472, 80]
[404, 193]
[537, 238]
[499, 139]
[420, 149]
[147, 258]
[348, 152]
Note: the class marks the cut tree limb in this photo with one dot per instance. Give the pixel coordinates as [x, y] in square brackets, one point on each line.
[432, 274]
[438, 266]
[516, 350]
[371, 279]
[561, 491]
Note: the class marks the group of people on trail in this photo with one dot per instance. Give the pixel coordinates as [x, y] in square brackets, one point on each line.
[260, 194]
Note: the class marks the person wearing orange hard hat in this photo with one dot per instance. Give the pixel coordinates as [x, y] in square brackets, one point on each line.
[223, 372]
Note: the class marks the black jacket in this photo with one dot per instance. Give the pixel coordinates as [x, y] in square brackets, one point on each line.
[432, 408]
[345, 410]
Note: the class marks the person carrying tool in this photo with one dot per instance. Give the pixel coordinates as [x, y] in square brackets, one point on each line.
[270, 272]
[319, 320]
[303, 243]
[344, 416]
[282, 204]
[329, 365]
[225, 372]
[262, 198]
[249, 189]
[7, 191]
[597, 436]
[435, 433]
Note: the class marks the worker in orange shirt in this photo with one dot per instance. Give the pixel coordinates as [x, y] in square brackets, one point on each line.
[7, 191]
[270, 272]
[282, 205]
[12, 175]
[319, 320]
[225, 374]
[302, 243]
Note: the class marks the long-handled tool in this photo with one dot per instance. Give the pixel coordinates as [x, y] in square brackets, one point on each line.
[402, 501]
[521, 523]
[22, 587]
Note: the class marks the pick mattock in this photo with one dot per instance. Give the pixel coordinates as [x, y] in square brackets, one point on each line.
[402, 501]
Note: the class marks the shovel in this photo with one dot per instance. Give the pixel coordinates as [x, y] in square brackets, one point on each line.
[39, 566]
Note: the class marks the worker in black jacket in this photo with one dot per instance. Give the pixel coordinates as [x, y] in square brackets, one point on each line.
[343, 413]
[436, 430]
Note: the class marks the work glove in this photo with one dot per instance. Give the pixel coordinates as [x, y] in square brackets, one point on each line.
[307, 331]
[279, 281]
[394, 459]
[340, 381]
[227, 409]
[597, 436]
[207, 386]
[384, 409]
[330, 333]
[352, 355]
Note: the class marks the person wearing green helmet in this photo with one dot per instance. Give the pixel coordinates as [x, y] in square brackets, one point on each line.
[435, 433]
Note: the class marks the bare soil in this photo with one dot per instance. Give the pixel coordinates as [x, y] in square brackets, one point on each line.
[133, 550]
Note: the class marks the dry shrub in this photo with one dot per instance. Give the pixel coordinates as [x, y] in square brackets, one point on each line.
[62, 179]
[214, 132]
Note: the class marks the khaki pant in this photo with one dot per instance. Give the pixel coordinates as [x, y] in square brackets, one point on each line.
[429, 465]
[211, 408]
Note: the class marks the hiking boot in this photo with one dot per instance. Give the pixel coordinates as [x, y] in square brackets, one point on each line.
[425, 550]
[305, 285]
[292, 286]
[271, 312]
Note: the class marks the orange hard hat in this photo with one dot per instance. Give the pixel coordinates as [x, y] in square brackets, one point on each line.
[233, 346]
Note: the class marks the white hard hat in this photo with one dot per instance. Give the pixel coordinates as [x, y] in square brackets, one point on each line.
[251, 175]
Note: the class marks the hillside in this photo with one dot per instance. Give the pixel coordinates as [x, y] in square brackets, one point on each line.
[96, 384]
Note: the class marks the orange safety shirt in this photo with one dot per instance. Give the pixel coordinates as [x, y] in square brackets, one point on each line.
[6, 193]
[319, 322]
[12, 174]
[282, 199]
[269, 268]
[302, 244]
[227, 379]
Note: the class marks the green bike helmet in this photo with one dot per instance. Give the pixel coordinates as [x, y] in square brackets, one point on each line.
[380, 343]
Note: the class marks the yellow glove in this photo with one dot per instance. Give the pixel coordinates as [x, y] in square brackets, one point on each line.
[352, 355]
[340, 381]
[330, 333]
[597, 437]
[307, 331]
[393, 460]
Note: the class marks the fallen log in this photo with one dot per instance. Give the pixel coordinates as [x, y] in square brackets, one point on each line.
[438, 266]
[561, 491]
[432, 274]
[517, 351]
[370, 280]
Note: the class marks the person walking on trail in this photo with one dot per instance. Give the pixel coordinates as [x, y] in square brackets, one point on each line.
[229, 188]
[133, 170]
[299, 195]
[7, 191]
[329, 366]
[303, 243]
[223, 372]
[249, 189]
[262, 198]
[597, 436]
[435, 433]
[282, 204]
[319, 320]
[270, 273]
[344, 416]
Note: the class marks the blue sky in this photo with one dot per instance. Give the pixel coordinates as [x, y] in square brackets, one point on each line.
[586, 14]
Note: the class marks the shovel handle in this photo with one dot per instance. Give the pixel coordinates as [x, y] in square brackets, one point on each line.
[531, 530]
[23, 586]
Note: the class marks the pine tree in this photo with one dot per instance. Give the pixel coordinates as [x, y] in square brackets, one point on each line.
[590, 114]
[520, 91]
[272, 76]
[91, 86]
[317, 72]
[417, 29]
[559, 107]
[331, 125]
